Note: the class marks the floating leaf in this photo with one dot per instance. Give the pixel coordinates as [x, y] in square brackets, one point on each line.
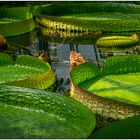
[117, 42]
[19, 18]
[26, 71]
[124, 129]
[121, 65]
[31, 113]
[115, 92]
[84, 72]
[96, 16]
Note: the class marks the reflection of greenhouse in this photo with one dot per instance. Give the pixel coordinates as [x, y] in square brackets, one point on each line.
[90, 51]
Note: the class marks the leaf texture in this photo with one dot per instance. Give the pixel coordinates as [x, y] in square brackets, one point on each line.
[31, 113]
[26, 71]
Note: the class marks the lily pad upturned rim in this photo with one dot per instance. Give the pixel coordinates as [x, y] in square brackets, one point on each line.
[24, 23]
[50, 17]
[31, 72]
[118, 43]
[92, 72]
[123, 129]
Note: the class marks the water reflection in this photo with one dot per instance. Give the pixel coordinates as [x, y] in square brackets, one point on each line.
[64, 42]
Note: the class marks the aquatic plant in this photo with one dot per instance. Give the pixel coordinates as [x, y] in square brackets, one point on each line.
[117, 43]
[124, 129]
[30, 113]
[68, 37]
[26, 71]
[113, 92]
[86, 17]
[15, 21]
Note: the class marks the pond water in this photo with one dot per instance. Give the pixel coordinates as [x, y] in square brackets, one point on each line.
[57, 47]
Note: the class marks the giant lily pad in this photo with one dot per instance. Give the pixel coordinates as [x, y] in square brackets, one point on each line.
[15, 21]
[95, 16]
[114, 43]
[124, 129]
[113, 92]
[26, 71]
[31, 113]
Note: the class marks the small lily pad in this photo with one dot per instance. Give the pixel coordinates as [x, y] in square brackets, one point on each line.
[26, 71]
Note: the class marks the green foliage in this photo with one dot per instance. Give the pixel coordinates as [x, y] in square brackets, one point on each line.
[19, 18]
[90, 7]
[5, 59]
[123, 17]
[22, 27]
[113, 42]
[122, 87]
[124, 129]
[27, 71]
[84, 72]
[100, 16]
[29, 61]
[119, 79]
[122, 64]
[90, 25]
[19, 13]
[68, 37]
[30, 113]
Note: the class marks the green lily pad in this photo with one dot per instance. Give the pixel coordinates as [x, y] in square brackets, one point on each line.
[19, 18]
[31, 113]
[124, 129]
[119, 43]
[26, 71]
[119, 79]
[95, 16]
